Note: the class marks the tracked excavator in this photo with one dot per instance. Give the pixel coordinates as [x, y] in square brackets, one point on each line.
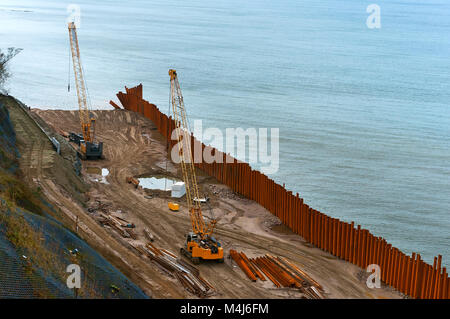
[88, 149]
[200, 245]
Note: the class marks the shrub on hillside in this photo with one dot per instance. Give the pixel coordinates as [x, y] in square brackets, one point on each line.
[5, 57]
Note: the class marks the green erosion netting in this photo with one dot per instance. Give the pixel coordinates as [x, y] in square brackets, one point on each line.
[16, 281]
[23, 277]
[35, 250]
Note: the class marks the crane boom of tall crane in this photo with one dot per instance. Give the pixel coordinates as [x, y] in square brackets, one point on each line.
[200, 244]
[187, 164]
[86, 121]
[87, 146]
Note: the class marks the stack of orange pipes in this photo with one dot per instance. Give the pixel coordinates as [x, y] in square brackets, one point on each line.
[280, 272]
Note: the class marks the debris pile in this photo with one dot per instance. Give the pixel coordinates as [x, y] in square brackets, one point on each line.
[224, 192]
[103, 207]
[280, 271]
[187, 275]
[122, 226]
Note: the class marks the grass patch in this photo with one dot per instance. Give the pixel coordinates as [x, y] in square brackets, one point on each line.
[21, 194]
[25, 238]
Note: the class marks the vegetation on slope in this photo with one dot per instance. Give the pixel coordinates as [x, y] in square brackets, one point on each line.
[4, 72]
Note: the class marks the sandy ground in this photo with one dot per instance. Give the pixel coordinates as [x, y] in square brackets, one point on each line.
[132, 147]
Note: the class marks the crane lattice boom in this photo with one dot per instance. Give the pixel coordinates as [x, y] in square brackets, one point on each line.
[185, 154]
[87, 123]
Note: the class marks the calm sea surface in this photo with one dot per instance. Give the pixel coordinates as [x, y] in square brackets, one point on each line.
[364, 114]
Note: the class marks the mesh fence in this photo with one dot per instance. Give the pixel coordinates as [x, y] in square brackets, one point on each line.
[27, 274]
[22, 276]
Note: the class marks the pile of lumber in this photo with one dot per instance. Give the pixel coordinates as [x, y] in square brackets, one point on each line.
[103, 207]
[187, 275]
[122, 226]
[280, 271]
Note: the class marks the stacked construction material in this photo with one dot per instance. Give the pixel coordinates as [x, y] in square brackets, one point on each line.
[246, 267]
[280, 272]
[187, 275]
[122, 226]
[409, 274]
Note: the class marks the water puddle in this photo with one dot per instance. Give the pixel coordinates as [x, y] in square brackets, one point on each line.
[159, 182]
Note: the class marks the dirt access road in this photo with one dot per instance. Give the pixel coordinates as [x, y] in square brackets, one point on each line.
[132, 147]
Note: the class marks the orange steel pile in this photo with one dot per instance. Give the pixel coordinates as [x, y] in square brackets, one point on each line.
[279, 271]
[409, 274]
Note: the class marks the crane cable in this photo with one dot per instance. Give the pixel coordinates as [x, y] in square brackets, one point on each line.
[68, 76]
[89, 102]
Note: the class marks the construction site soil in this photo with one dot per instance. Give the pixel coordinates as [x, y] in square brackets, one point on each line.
[133, 148]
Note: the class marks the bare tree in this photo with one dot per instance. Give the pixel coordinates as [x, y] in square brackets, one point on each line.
[4, 58]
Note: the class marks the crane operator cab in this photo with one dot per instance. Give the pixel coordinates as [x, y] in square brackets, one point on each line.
[197, 248]
[90, 150]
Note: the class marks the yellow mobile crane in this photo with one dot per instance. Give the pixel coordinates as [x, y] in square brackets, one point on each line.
[200, 245]
[85, 140]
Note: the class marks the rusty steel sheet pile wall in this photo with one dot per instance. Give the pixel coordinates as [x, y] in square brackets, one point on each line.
[408, 274]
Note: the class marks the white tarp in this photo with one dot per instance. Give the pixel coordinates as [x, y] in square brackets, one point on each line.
[178, 190]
